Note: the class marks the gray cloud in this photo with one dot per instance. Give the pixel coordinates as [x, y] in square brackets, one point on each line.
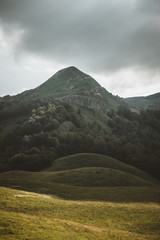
[103, 35]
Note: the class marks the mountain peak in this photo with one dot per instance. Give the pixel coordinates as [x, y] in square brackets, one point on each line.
[72, 70]
[72, 85]
[69, 80]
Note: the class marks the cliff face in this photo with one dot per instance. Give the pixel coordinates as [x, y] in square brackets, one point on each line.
[87, 102]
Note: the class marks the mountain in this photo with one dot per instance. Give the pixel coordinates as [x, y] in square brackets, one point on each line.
[71, 113]
[144, 103]
[72, 85]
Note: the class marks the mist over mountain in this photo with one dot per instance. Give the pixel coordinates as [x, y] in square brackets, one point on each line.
[71, 113]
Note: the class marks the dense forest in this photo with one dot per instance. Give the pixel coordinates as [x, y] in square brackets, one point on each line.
[35, 132]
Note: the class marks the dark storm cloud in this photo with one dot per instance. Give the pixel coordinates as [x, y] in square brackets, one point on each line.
[102, 35]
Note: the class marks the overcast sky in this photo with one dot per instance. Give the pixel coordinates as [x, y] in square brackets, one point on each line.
[115, 41]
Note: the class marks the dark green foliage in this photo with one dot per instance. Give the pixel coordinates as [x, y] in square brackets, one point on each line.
[34, 162]
[125, 112]
[53, 124]
[68, 130]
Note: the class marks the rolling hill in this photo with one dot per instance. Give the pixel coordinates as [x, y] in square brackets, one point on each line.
[86, 160]
[97, 177]
[108, 183]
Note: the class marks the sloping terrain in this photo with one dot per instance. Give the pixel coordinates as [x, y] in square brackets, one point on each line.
[82, 160]
[26, 215]
[86, 177]
[117, 182]
[97, 177]
[144, 103]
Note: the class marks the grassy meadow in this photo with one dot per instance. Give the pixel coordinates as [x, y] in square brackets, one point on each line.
[26, 215]
[84, 196]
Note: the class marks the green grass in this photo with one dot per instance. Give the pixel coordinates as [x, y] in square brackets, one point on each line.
[44, 182]
[87, 177]
[90, 197]
[26, 215]
[82, 160]
[82, 201]
[96, 177]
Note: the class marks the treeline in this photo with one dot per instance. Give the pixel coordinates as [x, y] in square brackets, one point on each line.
[53, 128]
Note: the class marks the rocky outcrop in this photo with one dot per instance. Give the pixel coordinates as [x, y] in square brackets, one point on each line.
[87, 102]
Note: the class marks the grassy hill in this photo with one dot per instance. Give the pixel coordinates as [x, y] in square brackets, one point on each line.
[26, 215]
[77, 202]
[115, 181]
[36, 183]
[86, 177]
[68, 81]
[83, 160]
[98, 177]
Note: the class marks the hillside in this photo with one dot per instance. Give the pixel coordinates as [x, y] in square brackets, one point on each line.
[139, 191]
[84, 160]
[97, 177]
[144, 103]
[71, 113]
[83, 183]
[86, 177]
[27, 215]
